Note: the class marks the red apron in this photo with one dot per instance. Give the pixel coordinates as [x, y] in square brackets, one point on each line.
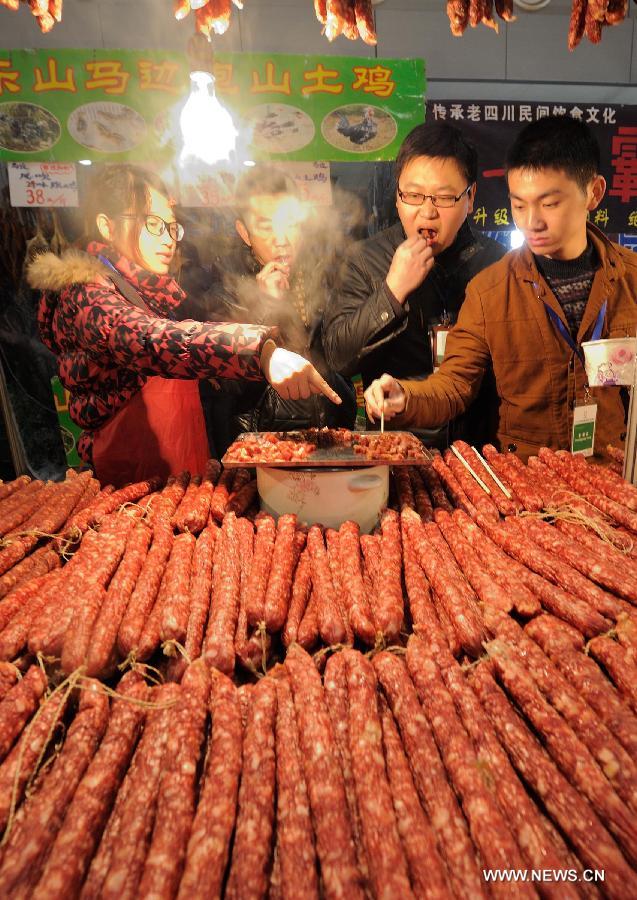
[160, 431]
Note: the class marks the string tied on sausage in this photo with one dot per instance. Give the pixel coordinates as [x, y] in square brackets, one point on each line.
[599, 523]
[173, 648]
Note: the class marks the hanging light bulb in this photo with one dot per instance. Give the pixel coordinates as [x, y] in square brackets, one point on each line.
[207, 129]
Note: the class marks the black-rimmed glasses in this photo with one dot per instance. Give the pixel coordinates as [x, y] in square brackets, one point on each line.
[440, 201]
[156, 226]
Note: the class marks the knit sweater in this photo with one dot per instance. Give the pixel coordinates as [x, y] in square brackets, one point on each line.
[571, 281]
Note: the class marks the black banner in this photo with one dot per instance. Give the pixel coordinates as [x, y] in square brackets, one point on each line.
[492, 127]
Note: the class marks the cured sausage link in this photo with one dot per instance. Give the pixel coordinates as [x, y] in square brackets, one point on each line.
[299, 600]
[330, 622]
[617, 662]
[284, 559]
[389, 610]
[207, 852]
[19, 705]
[176, 797]
[337, 700]
[252, 849]
[385, 855]
[260, 570]
[421, 606]
[326, 790]
[295, 834]
[552, 566]
[554, 598]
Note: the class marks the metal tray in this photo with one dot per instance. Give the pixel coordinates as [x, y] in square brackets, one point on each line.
[335, 456]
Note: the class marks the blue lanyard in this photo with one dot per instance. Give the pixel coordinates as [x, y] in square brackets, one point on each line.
[107, 263]
[566, 334]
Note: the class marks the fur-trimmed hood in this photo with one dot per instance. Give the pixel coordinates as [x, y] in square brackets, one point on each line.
[49, 272]
[62, 279]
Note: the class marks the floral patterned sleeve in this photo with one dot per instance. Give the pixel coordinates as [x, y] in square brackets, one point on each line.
[158, 346]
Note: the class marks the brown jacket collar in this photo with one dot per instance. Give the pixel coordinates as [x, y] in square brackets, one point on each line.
[525, 268]
[611, 268]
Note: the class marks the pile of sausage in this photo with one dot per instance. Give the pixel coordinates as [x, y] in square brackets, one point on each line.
[269, 447]
[299, 446]
[164, 576]
[136, 577]
[351, 18]
[46, 12]
[211, 16]
[383, 777]
[589, 17]
[473, 12]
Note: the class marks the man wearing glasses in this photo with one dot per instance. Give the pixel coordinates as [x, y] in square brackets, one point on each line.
[402, 288]
[278, 275]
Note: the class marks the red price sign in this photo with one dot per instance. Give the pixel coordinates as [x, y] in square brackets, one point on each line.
[42, 184]
[35, 197]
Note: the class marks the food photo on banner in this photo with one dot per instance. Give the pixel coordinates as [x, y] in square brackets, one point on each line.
[492, 127]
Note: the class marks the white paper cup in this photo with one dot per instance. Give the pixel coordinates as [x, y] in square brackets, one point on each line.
[610, 362]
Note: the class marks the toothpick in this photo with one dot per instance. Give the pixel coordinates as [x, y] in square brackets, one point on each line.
[507, 493]
[470, 470]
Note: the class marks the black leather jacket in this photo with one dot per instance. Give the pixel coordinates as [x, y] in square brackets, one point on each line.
[243, 406]
[366, 330]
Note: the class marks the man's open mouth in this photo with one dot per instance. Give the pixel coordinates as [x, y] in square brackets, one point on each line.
[428, 233]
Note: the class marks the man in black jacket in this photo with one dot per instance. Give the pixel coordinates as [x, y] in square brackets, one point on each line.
[277, 275]
[400, 289]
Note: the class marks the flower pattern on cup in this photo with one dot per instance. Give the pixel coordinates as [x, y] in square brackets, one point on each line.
[622, 356]
[606, 375]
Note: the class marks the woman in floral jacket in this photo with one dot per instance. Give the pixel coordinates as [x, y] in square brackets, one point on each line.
[131, 369]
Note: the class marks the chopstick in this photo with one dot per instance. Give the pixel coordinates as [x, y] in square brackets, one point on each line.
[470, 470]
[507, 493]
[382, 418]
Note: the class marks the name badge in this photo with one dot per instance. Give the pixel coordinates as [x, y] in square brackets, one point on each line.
[583, 436]
[438, 344]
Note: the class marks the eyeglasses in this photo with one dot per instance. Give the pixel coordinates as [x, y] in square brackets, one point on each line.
[440, 201]
[156, 226]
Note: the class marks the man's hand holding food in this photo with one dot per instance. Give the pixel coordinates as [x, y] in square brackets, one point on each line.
[384, 396]
[412, 262]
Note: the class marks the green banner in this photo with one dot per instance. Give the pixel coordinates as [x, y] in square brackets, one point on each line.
[108, 105]
[68, 429]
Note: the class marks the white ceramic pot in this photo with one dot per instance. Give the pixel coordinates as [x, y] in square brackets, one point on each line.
[329, 496]
[610, 362]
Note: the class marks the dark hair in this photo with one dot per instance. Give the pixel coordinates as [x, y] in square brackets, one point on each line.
[116, 189]
[260, 180]
[556, 142]
[440, 141]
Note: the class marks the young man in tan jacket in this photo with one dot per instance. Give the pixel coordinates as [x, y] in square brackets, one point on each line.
[525, 317]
